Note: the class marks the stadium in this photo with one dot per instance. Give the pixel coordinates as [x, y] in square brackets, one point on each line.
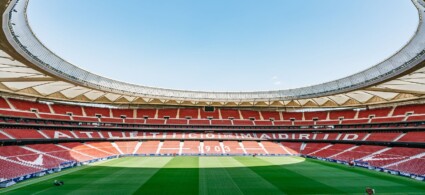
[67, 130]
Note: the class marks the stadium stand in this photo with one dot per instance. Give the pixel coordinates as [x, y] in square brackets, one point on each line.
[126, 147]
[332, 150]
[416, 118]
[18, 114]
[388, 136]
[176, 121]
[292, 115]
[189, 113]
[72, 153]
[267, 115]
[328, 122]
[311, 148]
[112, 134]
[15, 169]
[413, 137]
[191, 147]
[392, 155]
[30, 158]
[233, 147]
[94, 111]
[358, 153]
[19, 154]
[414, 109]
[211, 147]
[106, 147]
[24, 133]
[199, 122]
[205, 115]
[292, 147]
[345, 114]
[111, 120]
[86, 149]
[118, 113]
[43, 156]
[415, 165]
[4, 104]
[55, 116]
[328, 136]
[86, 134]
[243, 122]
[29, 106]
[155, 121]
[134, 121]
[227, 113]
[148, 148]
[86, 119]
[263, 123]
[273, 148]
[170, 113]
[309, 116]
[387, 119]
[170, 147]
[355, 121]
[221, 122]
[61, 112]
[379, 112]
[375, 118]
[58, 134]
[250, 114]
[3, 136]
[282, 123]
[65, 109]
[55, 150]
[253, 147]
[304, 123]
[150, 113]
[14, 151]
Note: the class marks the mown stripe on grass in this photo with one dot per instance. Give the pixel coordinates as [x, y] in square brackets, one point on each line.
[113, 177]
[248, 182]
[355, 179]
[219, 175]
[179, 176]
[287, 180]
[51, 176]
[214, 177]
[122, 178]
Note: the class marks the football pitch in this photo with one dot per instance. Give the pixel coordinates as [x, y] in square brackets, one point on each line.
[217, 175]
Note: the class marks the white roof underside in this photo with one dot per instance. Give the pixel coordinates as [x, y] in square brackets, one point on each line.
[35, 71]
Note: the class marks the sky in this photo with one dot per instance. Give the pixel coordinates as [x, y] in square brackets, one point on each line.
[223, 45]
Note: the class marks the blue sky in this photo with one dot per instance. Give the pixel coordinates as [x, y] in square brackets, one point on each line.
[223, 45]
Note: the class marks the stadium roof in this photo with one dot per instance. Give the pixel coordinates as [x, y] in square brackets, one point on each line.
[28, 68]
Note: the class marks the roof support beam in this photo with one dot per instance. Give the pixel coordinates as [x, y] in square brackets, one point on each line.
[27, 79]
[395, 91]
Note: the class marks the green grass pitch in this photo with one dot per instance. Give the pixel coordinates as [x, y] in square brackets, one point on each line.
[217, 175]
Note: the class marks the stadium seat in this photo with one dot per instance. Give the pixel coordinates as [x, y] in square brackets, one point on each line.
[28, 106]
[65, 109]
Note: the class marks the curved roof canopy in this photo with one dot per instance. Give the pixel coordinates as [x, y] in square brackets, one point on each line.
[28, 68]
